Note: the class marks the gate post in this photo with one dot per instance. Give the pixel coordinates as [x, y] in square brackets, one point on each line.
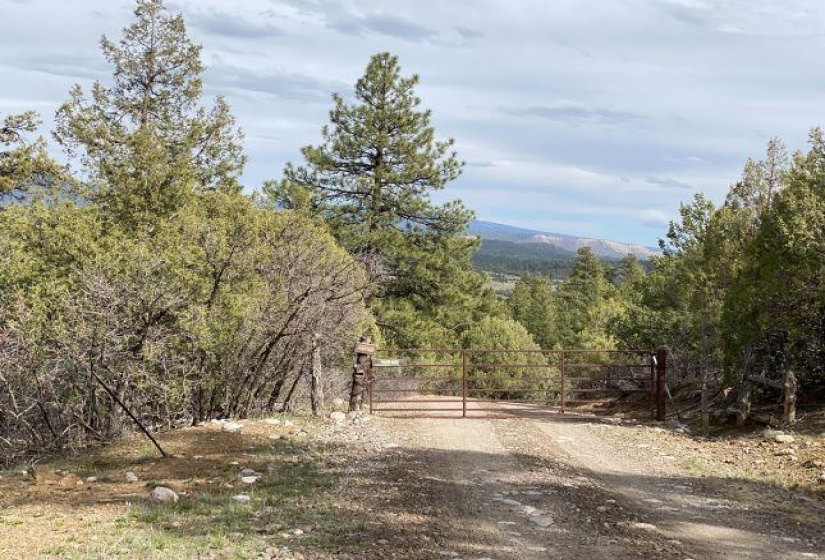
[661, 368]
[464, 383]
[361, 375]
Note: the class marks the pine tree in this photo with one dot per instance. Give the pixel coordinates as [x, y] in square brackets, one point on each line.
[145, 143]
[532, 304]
[373, 175]
[371, 180]
[584, 303]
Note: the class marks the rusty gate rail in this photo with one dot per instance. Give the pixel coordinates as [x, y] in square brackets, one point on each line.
[535, 381]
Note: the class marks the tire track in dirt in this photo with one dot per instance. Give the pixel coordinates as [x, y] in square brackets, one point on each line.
[507, 489]
[475, 498]
[695, 510]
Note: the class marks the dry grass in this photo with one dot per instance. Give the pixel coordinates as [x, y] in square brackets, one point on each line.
[60, 514]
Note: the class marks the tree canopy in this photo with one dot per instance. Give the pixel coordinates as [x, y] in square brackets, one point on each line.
[371, 181]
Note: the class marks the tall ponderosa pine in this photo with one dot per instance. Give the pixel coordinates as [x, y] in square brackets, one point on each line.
[145, 142]
[371, 179]
[373, 175]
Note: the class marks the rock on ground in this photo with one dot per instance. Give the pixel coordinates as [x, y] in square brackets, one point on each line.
[231, 427]
[163, 494]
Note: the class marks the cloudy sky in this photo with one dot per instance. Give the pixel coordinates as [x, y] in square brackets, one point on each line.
[589, 117]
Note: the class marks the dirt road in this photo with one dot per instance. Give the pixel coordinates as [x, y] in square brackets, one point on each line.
[573, 488]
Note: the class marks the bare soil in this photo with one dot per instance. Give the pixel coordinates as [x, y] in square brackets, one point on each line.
[583, 487]
[572, 486]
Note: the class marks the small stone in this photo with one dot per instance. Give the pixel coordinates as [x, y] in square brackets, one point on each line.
[783, 438]
[338, 418]
[231, 427]
[529, 510]
[645, 526]
[509, 502]
[272, 422]
[337, 401]
[298, 532]
[91, 479]
[542, 521]
[249, 479]
[236, 535]
[248, 472]
[163, 494]
[390, 446]
[274, 437]
[289, 423]
[131, 477]
[242, 498]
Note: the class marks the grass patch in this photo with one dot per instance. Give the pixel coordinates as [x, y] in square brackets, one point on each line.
[292, 503]
[693, 464]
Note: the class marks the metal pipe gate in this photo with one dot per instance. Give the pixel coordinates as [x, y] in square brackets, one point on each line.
[470, 383]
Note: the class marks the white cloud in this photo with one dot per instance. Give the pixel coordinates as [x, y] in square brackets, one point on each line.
[654, 219]
[601, 117]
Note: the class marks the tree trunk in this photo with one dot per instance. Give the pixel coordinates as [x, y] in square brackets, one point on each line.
[705, 413]
[789, 385]
[288, 399]
[316, 393]
[743, 398]
[789, 388]
[276, 392]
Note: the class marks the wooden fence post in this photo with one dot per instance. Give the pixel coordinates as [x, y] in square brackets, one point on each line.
[361, 374]
[661, 368]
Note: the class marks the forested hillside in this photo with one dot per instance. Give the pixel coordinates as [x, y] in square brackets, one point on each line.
[736, 298]
[142, 276]
[506, 257]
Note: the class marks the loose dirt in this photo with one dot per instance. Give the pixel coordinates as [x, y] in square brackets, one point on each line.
[572, 487]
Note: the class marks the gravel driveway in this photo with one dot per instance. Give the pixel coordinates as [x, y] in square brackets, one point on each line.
[566, 487]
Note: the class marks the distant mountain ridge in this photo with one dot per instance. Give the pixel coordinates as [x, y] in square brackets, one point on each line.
[604, 248]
